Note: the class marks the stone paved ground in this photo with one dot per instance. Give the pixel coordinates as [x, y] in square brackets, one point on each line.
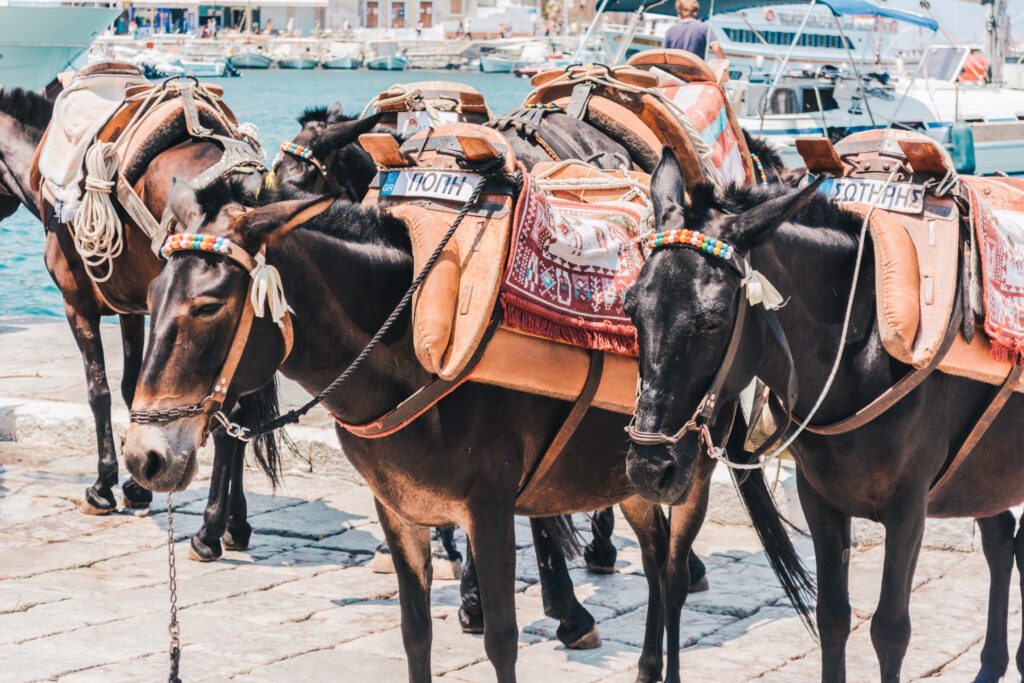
[84, 598]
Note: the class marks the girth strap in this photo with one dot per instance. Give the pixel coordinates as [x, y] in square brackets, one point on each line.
[980, 427]
[528, 124]
[425, 398]
[568, 428]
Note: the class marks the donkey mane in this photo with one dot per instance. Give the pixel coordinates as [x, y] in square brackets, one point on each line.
[364, 225]
[314, 114]
[26, 107]
[818, 212]
[768, 155]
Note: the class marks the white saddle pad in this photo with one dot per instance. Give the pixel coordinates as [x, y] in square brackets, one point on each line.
[78, 114]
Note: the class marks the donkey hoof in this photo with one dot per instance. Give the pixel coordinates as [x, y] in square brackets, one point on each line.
[600, 569]
[444, 568]
[589, 641]
[134, 496]
[700, 585]
[94, 504]
[237, 539]
[201, 552]
[600, 560]
[989, 675]
[382, 562]
[471, 622]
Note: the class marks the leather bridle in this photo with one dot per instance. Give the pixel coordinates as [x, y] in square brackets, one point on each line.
[709, 406]
[264, 287]
[327, 179]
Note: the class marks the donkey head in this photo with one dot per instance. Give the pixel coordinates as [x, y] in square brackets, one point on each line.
[685, 305]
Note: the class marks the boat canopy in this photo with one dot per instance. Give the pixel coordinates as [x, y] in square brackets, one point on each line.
[838, 7]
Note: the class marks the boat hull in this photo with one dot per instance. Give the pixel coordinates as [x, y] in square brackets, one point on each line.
[392, 63]
[251, 60]
[346, 62]
[497, 65]
[296, 63]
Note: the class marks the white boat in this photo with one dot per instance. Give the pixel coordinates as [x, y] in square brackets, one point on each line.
[755, 40]
[297, 53]
[387, 63]
[296, 63]
[42, 38]
[343, 56]
[251, 59]
[166, 64]
[497, 62]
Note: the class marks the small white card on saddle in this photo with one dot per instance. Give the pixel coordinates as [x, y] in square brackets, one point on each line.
[899, 197]
[450, 186]
[411, 121]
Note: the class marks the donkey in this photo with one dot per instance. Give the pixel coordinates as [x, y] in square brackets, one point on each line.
[685, 305]
[459, 463]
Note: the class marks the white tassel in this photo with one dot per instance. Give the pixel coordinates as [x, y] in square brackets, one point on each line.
[268, 290]
[760, 290]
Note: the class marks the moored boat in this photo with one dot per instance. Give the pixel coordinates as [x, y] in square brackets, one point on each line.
[251, 59]
[298, 62]
[387, 63]
[496, 63]
[343, 56]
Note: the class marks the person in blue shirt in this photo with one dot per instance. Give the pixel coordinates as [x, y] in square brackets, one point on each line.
[692, 34]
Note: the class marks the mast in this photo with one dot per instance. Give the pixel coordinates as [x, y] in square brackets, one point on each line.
[997, 38]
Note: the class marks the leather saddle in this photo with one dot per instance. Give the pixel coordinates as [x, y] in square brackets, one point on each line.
[453, 310]
[411, 106]
[917, 246]
[624, 103]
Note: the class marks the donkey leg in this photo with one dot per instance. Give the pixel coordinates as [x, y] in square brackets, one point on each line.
[471, 614]
[685, 522]
[133, 336]
[576, 628]
[206, 543]
[997, 544]
[85, 326]
[410, 550]
[447, 558]
[492, 533]
[1018, 551]
[651, 527]
[890, 627]
[600, 553]
[239, 531]
[830, 531]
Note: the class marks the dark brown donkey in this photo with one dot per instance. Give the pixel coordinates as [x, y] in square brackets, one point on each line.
[23, 118]
[461, 462]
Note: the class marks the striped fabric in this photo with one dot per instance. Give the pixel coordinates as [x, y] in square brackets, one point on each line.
[706, 106]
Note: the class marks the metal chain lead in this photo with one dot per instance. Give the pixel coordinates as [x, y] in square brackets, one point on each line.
[172, 628]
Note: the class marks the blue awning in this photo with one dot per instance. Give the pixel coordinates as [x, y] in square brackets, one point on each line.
[838, 7]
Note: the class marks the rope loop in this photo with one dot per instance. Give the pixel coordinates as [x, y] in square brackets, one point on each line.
[98, 231]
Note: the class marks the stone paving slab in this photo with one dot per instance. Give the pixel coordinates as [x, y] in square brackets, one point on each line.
[85, 599]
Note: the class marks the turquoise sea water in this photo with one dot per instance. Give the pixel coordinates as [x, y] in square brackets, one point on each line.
[270, 99]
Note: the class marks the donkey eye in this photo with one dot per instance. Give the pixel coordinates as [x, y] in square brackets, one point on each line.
[207, 309]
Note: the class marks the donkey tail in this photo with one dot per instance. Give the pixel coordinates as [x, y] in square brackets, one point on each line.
[563, 535]
[796, 581]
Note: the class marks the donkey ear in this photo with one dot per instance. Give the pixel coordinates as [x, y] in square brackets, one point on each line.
[268, 224]
[335, 113]
[667, 189]
[338, 135]
[183, 202]
[756, 225]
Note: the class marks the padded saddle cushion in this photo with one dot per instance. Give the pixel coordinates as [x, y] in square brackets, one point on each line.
[454, 304]
[583, 171]
[79, 113]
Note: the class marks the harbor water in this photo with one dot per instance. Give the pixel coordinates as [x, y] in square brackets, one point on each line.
[272, 100]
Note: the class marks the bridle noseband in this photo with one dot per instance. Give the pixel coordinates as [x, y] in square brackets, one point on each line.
[760, 295]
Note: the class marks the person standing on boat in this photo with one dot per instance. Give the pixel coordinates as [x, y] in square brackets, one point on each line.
[690, 33]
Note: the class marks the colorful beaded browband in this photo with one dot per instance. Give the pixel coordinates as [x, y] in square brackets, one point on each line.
[297, 150]
[690, 238]
[199, 242]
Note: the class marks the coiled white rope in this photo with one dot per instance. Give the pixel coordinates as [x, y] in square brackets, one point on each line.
[99, 234]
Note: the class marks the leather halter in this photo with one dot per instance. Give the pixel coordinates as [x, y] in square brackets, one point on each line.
[709, 405]
[213, 402]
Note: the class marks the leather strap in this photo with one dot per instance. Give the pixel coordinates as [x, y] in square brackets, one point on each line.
[425, 398]
[139, 213]
[218, 394]
[904, 386]
[568, 428]
[980, 427]
[578, 101]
